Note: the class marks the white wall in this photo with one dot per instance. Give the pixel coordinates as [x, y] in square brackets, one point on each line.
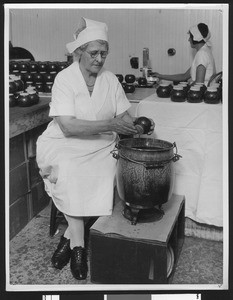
[44, 32]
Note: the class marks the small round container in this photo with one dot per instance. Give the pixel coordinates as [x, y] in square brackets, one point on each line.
[34, 97]
[178, 94]
[24, 100]
[14, 67]
[120, 77]
[48, 87]
[12, 86]
[211, 96]
[61, 66]
[33, 67]
[19, 83]
[39, 87]
[38, 77]
[202, 87]
[164, 90]
[28, 84]
[130, 78]
[42, 67]
[48, 77]
[129, 88]
[52, 67]
[194, 95]
[12, 100]
[143, 125]
[23, 66]
[142, 81]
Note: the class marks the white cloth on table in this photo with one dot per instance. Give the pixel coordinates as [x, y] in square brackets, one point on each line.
[197, 130]
[79, 172]
[203, 57]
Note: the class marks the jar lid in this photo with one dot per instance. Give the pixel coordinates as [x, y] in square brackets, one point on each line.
[183, 83]
[212, 89]
[199, 83]
[215, 84]
[177, 88]
[195, 88]
[23, 94]
[164, 84]
[31, 92]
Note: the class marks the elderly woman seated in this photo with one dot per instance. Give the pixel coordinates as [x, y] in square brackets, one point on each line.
[89, 111]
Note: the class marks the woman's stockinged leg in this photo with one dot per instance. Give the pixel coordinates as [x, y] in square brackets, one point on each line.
[75, 231]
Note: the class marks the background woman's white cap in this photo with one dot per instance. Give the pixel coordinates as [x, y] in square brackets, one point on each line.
[88, 31]
[197, 36]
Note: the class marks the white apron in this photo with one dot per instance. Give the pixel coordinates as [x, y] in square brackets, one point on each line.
[79, 172]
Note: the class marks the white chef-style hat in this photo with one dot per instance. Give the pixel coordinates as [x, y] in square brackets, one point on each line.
[88, 31]
[197, 35]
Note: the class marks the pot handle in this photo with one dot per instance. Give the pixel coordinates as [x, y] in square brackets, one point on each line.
[159, 164]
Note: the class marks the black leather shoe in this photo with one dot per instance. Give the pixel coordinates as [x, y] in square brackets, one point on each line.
[78, 263]
[62, 254]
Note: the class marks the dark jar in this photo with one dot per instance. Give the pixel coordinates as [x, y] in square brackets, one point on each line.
[39, 87]
[34, 97]
[178, 94]
[33, 67]
[61, 66]
[120, 77]
[24, 100]
[143, 125]
[19, 83]
[12, 100]
[194, 95]
[202, 88]
[47, 77]
[164, 90]
[130, 78]
[48, 87]
[28, 77]
[129, 88]
[14, 67]
[42, 67]
[12, 86]
[38, 77]
[211, 96]
[52, 67]
[142, 81]
[28, 84]
[23, 66]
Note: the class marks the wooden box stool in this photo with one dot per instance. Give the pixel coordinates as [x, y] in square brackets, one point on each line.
[145, 253]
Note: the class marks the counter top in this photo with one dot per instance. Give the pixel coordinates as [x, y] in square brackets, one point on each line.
[22, 119]
[26, 118]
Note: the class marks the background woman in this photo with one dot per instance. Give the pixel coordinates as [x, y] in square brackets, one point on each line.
[203, 65]
[89, 110]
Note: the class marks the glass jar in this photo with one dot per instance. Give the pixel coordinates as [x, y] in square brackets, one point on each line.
[48, 87]
[164, 90]
[24, 100]
[12, 100]
[178, 94]
[12, 86]
[211, 96]
[194, 95]
[34, 97]
[39, 87]
[19, 83]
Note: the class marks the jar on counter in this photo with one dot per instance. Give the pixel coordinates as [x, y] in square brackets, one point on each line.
[164, 90]
[211, 96]
[33, 97]
[33, 67]
[202, 88]
[28, 84]
[24, 100]
[39, 87]
[12, 86]
[178, 94]
[129, 88]
[19, 83]
[12, 100]
[48, 87]
[194, 95]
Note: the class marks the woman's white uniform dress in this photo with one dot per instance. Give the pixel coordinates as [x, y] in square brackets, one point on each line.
[203, 57]
[79, 172]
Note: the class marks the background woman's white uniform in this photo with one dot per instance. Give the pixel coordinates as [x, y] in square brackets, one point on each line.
[79, 172]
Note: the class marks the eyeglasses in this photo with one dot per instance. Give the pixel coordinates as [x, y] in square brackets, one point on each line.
[94, 54]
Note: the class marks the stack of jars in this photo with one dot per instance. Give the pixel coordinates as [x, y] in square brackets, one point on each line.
[19, 95]
[38, 74]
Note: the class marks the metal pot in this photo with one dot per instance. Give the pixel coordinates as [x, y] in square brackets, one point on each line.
[145, 171]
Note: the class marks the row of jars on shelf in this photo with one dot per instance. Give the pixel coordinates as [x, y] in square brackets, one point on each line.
[194, 94]
[129, 82]
[37, 66]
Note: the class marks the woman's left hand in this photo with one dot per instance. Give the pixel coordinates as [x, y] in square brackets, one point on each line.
[152, 126]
